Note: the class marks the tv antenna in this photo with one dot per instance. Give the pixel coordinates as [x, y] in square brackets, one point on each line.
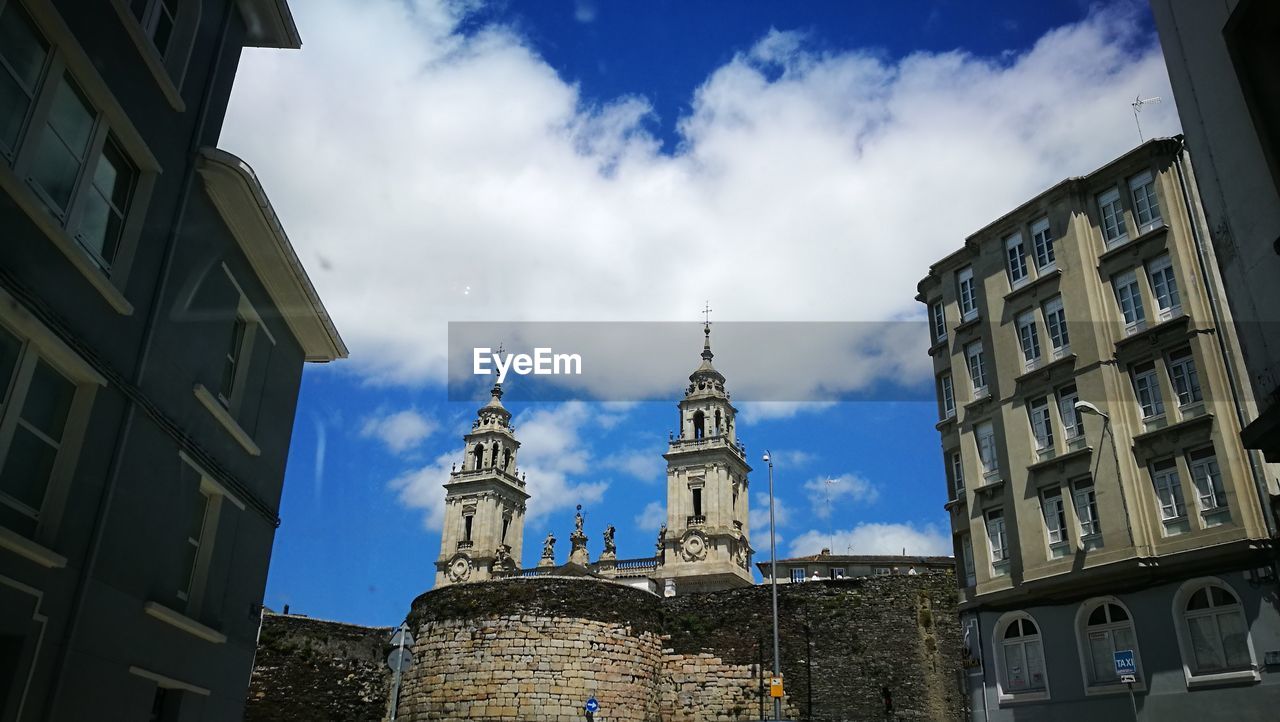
[831, 533]
[1137, 104]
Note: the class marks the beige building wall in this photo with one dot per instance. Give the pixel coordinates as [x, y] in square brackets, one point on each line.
[1108, 361]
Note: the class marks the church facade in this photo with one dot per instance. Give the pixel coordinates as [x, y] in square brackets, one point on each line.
[703, 546]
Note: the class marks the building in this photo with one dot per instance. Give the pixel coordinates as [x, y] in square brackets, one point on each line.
[154, 322]
[1224, 65]
[826, 565]
[1090, 417]
[704, 545]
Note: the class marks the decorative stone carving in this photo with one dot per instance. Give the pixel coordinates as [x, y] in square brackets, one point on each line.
[610, 547]
[693, 546]
[460, 568]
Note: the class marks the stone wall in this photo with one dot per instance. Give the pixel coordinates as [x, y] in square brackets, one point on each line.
[311, 670]
[537, 648]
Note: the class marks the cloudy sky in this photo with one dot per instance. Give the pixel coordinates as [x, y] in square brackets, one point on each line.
[444, 161]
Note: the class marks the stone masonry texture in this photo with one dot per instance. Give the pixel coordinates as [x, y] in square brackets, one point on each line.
[536, 649]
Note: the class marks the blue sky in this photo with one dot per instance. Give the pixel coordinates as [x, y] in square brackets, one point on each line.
[437, 161]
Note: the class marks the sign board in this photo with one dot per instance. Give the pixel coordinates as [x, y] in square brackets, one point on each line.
[775, 686]
[401, 638]
[592, 705]
[1128, 679]
[1125, 664]
[400, 659]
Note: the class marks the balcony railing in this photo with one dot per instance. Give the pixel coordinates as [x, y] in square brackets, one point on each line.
[466, 544]
[719, 441]
[695, 520]
[636, 567]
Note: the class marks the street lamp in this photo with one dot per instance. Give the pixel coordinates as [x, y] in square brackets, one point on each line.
[1084, 407]
[773, 575]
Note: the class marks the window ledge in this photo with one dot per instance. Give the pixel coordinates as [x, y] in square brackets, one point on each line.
[1040, 280]
[150, 56]
[1243, 676]
[1023, 697]
[951, 419]
[971, 323]
[225, 418]
[1177, 428]
[1133, 244]
[937, 346]
[39, 215]
[986, 396]
[24, 547]
[183, 622]
[1150, 332]
[1060, 459]
[1107, 688]
[1046, 368]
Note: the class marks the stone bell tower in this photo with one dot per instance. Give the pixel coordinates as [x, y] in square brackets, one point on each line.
[706, 545]
[484, 502]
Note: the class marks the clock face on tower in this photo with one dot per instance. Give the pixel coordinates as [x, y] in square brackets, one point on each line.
[693, 546]
[459, 568]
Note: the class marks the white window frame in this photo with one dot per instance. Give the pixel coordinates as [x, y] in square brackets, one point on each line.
[975, 360]
[938, 319]
[218, 497]
[1042, 242]
[797, 575]
[1164, 287]
[1191, 674]
[1041, 423]
[1146, 205]
[957, 474]
[1085, 500]
[1054, 511]
[38, 343]
[1084, 644]
[1000, 650]
[1016, 260]
[1184, 377]
[1111, 218]
[1128, 295]
[985, 438]
[1167, 484]
[1029, 340]
[997, 541]
[1206, 477]
[1146, 389]
[835, 572]
[967, 293]
[966, 559]
[947, 390]
[1072, 424]
[1055, 324]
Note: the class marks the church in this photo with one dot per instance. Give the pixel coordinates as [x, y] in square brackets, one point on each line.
[703, 546]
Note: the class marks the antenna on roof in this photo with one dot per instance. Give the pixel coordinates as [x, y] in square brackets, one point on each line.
[1137, 104]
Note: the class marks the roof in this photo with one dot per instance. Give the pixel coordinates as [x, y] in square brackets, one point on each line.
[876, 559]
[270, 24]
[247, 211]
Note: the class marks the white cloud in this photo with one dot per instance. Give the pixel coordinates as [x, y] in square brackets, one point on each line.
[551, 454]
[835, 494]
[924, 540]
[754, 412]
[652, 516]
[792, 458]
[759, 519]
[400, 431]
[584, 11]
[458, 177]
[643, 465]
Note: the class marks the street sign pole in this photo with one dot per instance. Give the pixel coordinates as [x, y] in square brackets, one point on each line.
[1127, 670]
[399, 660]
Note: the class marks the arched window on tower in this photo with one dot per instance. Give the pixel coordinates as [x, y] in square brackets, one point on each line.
[478, 453]
[506, 459]
[718, 432]
[493, 459]
[699, 425]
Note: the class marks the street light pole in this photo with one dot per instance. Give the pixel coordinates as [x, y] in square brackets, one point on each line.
[1088, 408]
[773, 575]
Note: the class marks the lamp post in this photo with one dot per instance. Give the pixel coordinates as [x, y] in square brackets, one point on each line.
[1084, 407]
[773, 577]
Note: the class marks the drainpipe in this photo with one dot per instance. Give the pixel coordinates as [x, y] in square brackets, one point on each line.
[131, 411]
[1259, 481]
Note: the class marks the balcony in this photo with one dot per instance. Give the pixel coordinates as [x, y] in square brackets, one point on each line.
[695, 520]
[708, 443]
[465, 544]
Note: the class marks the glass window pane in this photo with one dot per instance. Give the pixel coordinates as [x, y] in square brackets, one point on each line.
[48, 401]
[14, 104]
[27, 468]
[21, 47]
[1035, 665]
[55, 170]
[71, 117]
[195, 523]
[1235, 636]
[187, 567]
[1015, 667]
[10, 347]
[1204, 643]
[1101, 662]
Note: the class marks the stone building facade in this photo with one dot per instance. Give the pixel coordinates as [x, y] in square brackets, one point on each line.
[1090, 410]
[538, 648]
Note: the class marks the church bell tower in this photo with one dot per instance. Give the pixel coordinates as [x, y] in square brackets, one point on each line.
[706, 546]
[484, 502]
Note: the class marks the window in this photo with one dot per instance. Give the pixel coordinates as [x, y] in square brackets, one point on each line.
[957, 475]
[1106, 629]
[468, 525]
[938, 317]
[1146, 209]
[1164, 474]
[1210, 493]
[1041, 423]
[986, 439]
[1112, 215]
[1022, 657]
[158, 18]
[1182, 372]
[996, 537]
[1164, 286]
[1216, 636]
[948, 396]
[1072, 426]
[1028, 339]
[1016, 254]
[1147, 386]
[197, 515]
[55, 139]
[882, 571]
[836, 573]
[1087, 508]
[36, 402]
[697, 502]
[977, 368]
[231, 363]
[1055, 322]
[1055, 520]
[966, 558]
[205, 502]
[1129, 297]
[165, 705]
[797, 574]
[1042, 242]
[967, 293]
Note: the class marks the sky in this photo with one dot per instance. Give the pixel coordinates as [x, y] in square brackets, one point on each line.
[442, 162]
